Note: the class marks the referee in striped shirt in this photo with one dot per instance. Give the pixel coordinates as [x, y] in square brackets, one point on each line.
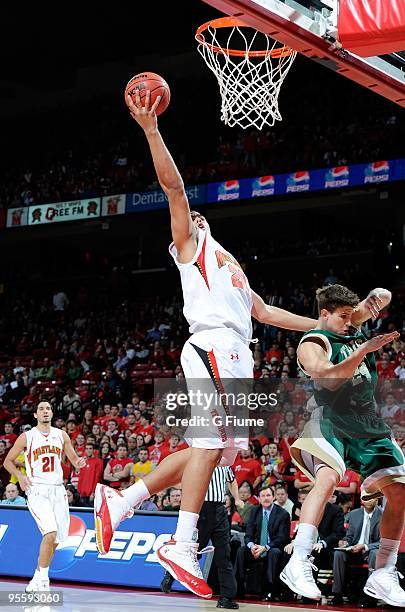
[213, 525]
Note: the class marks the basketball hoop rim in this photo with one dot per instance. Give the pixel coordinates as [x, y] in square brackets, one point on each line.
[234, 22]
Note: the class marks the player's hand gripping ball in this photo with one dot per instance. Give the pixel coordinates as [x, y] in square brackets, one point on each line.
[149, 81]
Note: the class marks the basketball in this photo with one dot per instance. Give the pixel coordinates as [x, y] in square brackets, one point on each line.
[155, 84]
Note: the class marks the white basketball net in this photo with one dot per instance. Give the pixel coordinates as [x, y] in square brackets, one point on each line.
[249, 85]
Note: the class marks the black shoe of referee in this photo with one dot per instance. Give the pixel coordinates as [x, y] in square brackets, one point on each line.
[166, 584]
[228, 604]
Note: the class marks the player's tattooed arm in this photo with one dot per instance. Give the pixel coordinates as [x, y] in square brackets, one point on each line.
[75, 460]
[371, 306]
[9, 462]
[271, 315]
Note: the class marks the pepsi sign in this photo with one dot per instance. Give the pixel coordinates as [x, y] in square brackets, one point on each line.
[229, 190]
[131, 560]
[298, 181]
[377, 172]
[263, 186]
[337, 177]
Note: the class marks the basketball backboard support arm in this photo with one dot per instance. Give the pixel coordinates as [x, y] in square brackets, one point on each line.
[312, 34]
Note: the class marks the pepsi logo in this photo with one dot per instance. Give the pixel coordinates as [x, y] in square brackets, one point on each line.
[65, 552]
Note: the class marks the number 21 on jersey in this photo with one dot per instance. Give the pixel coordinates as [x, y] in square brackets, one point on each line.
[48, 464]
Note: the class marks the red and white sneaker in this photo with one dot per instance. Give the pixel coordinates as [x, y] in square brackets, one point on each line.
[180, 560]
[110, 509]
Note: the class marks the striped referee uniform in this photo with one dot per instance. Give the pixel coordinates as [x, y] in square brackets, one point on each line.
[217, 488]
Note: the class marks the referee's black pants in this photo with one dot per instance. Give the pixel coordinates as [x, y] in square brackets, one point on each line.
[213, 525]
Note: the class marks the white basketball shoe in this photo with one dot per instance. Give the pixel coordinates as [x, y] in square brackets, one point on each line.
[298, 576]
[384, 584]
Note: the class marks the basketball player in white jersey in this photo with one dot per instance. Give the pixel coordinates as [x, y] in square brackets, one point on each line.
[218, 305]
[43, 447]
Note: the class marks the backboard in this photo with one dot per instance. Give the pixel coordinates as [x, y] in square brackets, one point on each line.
[310, 27]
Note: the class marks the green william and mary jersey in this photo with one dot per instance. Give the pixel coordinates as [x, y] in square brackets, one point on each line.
[344, 430]
[351, 409]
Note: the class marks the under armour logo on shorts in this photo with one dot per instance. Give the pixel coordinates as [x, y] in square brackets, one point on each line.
[235, 356]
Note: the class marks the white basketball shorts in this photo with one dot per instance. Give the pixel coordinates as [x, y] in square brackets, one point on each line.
[211, 361]
[49, 506]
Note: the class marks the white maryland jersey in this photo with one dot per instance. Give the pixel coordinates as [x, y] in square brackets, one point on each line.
[43, 456]
[216, 291]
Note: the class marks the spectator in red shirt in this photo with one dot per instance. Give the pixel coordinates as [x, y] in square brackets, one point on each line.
[67, 470]
[88, 418]
[17, 421]
[274, 353]
[112, 432]
[147, 430]
[172, 447]
[80, 445]
[103, 420]
[138, 414]
[114, 414]
[302, 482]
[173, 353]
[61, 370]
[385, 368]
[92, 440]
[132, 424]
[142, 407]
[4, 414]
[288, 438]
[118, 470]
[246, 468]
[84, 391]
[155, 450]
[106, 453]
[9, 436]
[72, 429]
[60, 423]
[349, 484]
[260, 436]
[96, 431]
[90, 475]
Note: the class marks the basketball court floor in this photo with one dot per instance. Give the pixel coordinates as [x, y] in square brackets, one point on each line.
[93, 598]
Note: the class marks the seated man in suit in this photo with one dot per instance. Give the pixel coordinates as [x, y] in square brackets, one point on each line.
[267, 532]
[363, 540]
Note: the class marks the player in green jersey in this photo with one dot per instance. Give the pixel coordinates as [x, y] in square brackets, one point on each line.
[345, 431]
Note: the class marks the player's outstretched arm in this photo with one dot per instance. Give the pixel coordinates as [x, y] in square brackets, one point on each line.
[312, 355]
[183, 230]
[279, 317]
[371, 306]
[75, 460]
[17, 448]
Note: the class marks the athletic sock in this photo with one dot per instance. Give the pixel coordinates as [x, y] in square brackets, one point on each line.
[43, 573]
[305, 539]
[186, 527]
[387, 554]
[136, 493]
